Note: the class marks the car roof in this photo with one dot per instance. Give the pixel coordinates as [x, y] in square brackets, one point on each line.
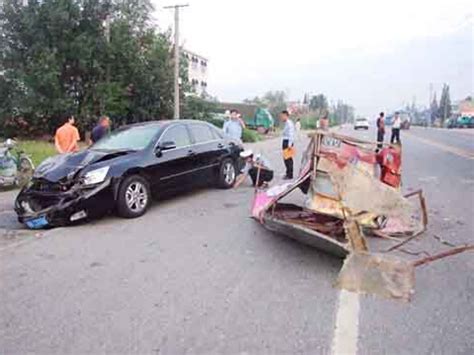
[162, 123]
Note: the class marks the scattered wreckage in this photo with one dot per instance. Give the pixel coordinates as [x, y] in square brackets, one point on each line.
[352, 197]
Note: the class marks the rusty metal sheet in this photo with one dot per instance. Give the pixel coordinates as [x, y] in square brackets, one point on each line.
[306, 236]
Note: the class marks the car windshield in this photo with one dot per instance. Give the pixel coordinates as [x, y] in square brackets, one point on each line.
[134, 138]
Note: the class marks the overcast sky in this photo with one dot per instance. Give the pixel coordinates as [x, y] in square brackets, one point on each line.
[375, 55]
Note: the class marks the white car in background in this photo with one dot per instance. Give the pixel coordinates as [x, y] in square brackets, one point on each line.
[362, 123]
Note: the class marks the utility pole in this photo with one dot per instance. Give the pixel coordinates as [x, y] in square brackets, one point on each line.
[176, 57]
[429, 105]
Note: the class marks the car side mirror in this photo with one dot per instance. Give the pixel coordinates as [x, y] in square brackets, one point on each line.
[163, 147]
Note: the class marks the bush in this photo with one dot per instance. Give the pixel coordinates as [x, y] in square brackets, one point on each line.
[38, 150]
[249, 136]
[308, 122]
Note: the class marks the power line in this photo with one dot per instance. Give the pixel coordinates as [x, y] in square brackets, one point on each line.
[176, 56]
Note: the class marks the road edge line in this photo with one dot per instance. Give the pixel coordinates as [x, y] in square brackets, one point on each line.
[346, 328]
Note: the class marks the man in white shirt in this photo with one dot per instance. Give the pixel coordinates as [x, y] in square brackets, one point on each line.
[288, 140]
[234, 126]
[396, 125]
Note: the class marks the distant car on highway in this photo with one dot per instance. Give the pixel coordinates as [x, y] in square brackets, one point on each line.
[461, 122]
[121, 171]
[361, 123]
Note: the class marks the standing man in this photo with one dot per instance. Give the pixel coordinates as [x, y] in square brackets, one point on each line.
[233, 127]
[101, 129]
[288, 139]
[324, 122]
[380, 130]
[396, 125]
[66, 137]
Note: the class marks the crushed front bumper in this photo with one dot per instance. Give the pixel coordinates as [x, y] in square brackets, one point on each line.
[40, 209]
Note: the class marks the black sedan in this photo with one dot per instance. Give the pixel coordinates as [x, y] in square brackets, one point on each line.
[122, 171]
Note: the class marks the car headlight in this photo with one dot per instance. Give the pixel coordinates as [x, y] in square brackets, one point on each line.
[96, 176]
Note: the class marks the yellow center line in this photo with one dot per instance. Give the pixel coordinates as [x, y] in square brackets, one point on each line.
[447, 148]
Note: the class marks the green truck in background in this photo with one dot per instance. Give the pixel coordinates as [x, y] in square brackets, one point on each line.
[262, 121]
[257, 118]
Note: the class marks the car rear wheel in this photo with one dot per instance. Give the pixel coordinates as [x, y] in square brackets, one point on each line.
[227, 174]
[133, 197]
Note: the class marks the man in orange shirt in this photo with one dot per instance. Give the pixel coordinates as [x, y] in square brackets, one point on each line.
[66, 137]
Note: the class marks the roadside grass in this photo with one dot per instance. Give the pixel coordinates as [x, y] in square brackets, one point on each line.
[250, 136]
[37, 150]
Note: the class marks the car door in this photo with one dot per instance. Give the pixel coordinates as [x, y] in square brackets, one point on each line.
[208, 149]
[174, 166]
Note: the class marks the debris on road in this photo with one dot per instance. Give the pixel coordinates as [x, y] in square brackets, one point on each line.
[352, 195]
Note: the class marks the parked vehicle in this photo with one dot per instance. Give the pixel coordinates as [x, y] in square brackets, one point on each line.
[362, 123]
[465, 122]
[405, 124]
[262, 121]
[124, 169]
[16, 168]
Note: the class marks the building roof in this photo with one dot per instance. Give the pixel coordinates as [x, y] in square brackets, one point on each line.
[194, 54]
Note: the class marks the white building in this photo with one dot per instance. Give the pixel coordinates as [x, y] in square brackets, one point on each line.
[197, 71]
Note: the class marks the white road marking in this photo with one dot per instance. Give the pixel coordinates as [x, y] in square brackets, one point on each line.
[346, 330]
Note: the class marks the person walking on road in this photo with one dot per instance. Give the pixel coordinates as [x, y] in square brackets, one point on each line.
[288, 139]
[67, 137]
[234, 126]
[380, 130]
[255, 167]
[396, 125]
[101, 129]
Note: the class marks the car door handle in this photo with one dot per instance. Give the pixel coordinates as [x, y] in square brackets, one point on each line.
[220, 145]
[191, 153]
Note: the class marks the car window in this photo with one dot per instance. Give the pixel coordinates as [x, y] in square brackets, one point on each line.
[216, 133]
[177, 134]
[202, 133]
[133, 138]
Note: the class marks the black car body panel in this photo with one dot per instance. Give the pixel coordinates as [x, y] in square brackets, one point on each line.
[181, 154]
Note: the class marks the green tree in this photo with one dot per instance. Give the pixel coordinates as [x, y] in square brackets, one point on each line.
[444, 111]
[434, 109]
[318, 103]
[59, 57]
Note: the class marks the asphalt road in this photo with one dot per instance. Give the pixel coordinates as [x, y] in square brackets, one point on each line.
[197, 275]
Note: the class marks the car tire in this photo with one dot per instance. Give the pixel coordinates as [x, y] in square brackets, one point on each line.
[133, 197]
[227, 174]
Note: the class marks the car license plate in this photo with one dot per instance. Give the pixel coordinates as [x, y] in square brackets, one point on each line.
[37, 223]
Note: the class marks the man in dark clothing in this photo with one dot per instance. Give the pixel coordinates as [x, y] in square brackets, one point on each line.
[257, 166]
[101, 130]
[380, 130]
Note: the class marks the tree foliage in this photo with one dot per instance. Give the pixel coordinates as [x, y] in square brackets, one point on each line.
[342, 113]
[318, 103]
[444, 104]
[434, 109]
[60, 57]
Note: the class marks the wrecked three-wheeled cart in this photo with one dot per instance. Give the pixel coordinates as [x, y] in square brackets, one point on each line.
[352, 197]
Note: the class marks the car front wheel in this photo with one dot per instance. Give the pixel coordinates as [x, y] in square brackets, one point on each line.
[133, 197]
[227, 174]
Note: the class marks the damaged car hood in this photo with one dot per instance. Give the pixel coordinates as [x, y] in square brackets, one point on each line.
[67, 166]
